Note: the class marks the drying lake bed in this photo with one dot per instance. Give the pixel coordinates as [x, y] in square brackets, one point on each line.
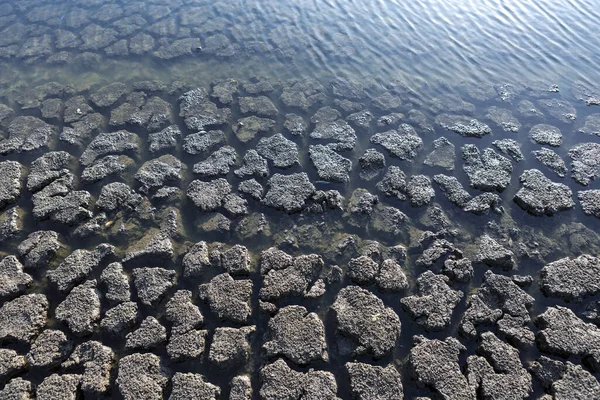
[205, 200]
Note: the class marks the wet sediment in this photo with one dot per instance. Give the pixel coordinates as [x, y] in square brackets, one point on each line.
[298, 239]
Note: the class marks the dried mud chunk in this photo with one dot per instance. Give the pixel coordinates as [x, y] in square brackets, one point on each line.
[193, 386]
[546, 134]
[575, 383]
[241, 388]
[433, 307]
[17, 389]
[439, 249]
[590, 202]
[120, 318]
[483, 203]
[231, 346]
[295, 124]
[187, 345]
[196, 261]
[281, 151]
[551, 160]
[81, 309]
[498, 298]
[26, 133]
[403, 143]
[419, 190]
[494, 254]
[362, 317]
[571, 279]
[76, 108]
[278, 381]
[208, 196]
[459, 270]
[59, 387]
[11, 363]
[197, 143]
[159, 172]
[585, 165]
[152, 283]
[434, 363]
[83, 129]
[509, 147]
[564, 334]
[150, 334]
[371, 164]
[13, 280]
[181, 311]
[360, 208]
[155, 247]
[499, 368]
[453, 189]
[165, 139]
[487, 171]
[540, 196]
[253, 226]
[361, 119]
[235, 205]
[330, 166]
[218, 163]
[463, 125]
[198, 112]
[59, 203]
[362, 270]
[47, 168]
[229, 299]
[298, 335]
[10, 182]
[253, 165]
[224, 90]
[372, 382]
[117, 196]
[49, 349]
[154, 115]
[290, 279]
[10, 223]
[141, 376]
[104, 144]
[391, 278]
[97, 362]
[393, 183]
[23, 318]
[105, 167]
[237, 260]
[78, 265]
[289, 192]
[338, 132]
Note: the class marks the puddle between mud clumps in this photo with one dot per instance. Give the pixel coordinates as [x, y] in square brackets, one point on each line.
[251, 239]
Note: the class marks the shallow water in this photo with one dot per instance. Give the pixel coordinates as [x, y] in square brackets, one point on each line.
[429, 57]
